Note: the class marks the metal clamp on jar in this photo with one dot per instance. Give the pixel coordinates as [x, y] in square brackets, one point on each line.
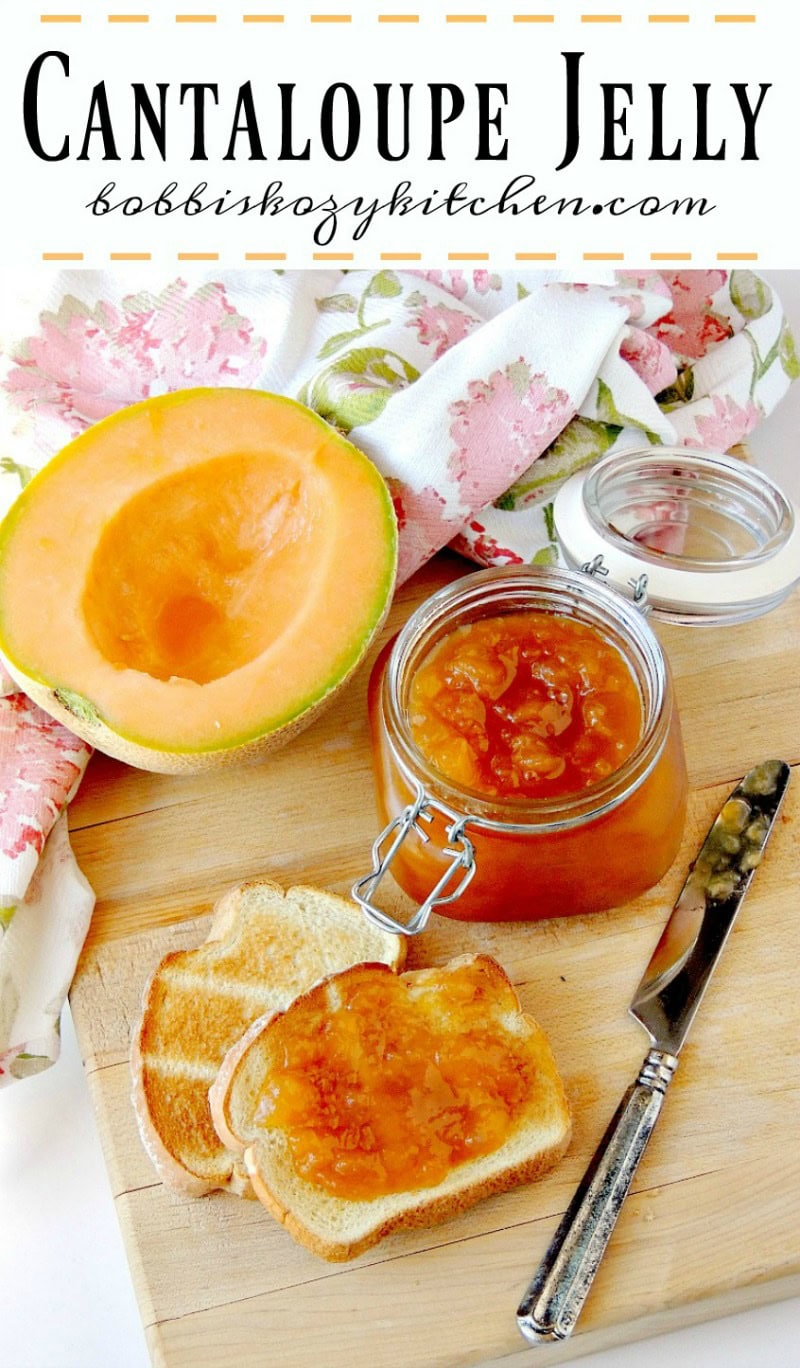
[690, 537]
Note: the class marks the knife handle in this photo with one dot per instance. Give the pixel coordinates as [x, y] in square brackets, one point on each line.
[554, 1298]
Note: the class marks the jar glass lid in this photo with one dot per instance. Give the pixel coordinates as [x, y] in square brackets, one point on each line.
[707, 537]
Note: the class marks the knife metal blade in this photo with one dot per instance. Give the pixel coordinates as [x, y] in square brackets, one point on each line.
[665, 1003]
[694, 937]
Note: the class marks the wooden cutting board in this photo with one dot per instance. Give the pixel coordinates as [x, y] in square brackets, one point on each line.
[712, 1223]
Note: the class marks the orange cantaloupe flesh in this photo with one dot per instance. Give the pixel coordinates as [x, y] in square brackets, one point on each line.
[197, 571]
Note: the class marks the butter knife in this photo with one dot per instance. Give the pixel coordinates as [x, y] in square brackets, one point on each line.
[664, 1003]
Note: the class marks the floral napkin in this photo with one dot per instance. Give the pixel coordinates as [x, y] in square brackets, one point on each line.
[476, 394]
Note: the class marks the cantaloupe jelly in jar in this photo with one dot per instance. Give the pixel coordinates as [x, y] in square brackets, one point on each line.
[528, 705]
[537, 704]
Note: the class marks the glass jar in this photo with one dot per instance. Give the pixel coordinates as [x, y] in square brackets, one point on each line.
[689, 536]
[495, 859]
[712, 540]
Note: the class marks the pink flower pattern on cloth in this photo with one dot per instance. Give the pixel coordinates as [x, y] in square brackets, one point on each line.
[88, 361]
[692, 326]
[41, 766]
[439, 326]
[475, 393]
[456, 282]
[422, 523]
[651, 360]
[513, 410]
[726, 424]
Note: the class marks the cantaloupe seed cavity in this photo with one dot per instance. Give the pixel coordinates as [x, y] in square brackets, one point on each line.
[211, 566]
[197, 574]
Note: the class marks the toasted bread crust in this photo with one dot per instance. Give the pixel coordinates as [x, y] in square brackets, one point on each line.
[221, 1089]
[264, 946]
[357, 1226]
[431, 1211]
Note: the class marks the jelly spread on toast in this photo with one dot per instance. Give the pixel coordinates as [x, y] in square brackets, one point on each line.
[394, 1085]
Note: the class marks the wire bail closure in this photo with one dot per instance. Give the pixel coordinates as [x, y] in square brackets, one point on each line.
[597, 567]
[459, 849]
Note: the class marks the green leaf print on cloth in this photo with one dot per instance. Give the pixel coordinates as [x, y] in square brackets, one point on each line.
[547, 555]
[26, 1065]
[338, 303]
[582, 442]
[383, 285]
[23, 473]
[357, 387]
[608, 412]
[679, 393]
[750, 294]
[788, 353]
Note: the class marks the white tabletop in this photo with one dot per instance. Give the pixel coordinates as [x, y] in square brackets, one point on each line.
[66, 1299]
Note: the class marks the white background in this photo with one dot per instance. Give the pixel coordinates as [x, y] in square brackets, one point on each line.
[45, 201]
[66, 1297]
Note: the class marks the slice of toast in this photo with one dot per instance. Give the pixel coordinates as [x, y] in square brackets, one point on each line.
[469, 1000]
[264, 948]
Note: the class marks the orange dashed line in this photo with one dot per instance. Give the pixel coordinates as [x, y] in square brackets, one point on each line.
[331, 18]
[401, 256]
[130, 256]
[333, 256]
[535, 256]
[195, 18]
[265, 256]
[198, 256]
[737, 256]
[62, 256]
[670, 256]
[604, 256]
[467, 256]
[734, 18]
[601, 18]
[129, 18]
[60, 18]
[262, 18]
[398, 18]
[465, 18]
[534, 18]
[667, 18]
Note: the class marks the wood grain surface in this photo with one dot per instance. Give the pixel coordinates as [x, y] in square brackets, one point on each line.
[711, 1225]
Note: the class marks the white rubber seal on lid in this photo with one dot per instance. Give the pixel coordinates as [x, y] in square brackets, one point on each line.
[717, 540]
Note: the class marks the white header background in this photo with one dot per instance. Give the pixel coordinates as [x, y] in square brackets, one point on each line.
[756, 202]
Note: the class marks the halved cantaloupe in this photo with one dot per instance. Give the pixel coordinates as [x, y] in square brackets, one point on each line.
[191, 579]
